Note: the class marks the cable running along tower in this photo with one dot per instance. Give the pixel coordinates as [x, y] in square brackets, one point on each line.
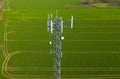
[55, 29]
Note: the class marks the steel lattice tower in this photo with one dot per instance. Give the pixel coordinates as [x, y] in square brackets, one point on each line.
[55, 29]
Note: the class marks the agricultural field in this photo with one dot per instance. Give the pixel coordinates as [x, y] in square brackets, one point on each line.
[91, 50]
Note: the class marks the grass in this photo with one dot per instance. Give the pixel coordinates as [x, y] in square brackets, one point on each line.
[90, 49]
[36, 4]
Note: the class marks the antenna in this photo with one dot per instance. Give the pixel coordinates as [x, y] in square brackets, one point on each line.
[71, 25]
[62, 26]
[51, 28]
[55, 29]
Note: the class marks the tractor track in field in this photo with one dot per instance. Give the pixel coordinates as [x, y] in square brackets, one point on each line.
[8, 55]
[5, 69]
[63, 69]
[29, 40]
[5, 52]
[13, 76]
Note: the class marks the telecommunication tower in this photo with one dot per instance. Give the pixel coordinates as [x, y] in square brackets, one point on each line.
[55, 29]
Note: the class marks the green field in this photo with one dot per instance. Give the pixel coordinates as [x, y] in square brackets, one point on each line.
[91, 50]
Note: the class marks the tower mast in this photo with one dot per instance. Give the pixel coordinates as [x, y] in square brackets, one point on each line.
[55, 29]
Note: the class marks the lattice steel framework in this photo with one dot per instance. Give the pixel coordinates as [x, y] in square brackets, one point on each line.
[55, 29]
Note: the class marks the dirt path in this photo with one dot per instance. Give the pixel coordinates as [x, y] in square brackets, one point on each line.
[1, 45]
[1, 15]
